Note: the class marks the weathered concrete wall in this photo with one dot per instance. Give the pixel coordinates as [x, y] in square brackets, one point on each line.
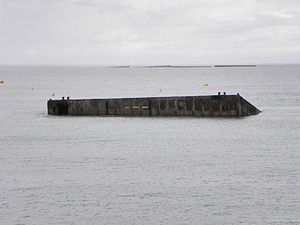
[198, 106]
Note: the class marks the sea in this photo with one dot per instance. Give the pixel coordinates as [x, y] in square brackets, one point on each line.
[151, 170]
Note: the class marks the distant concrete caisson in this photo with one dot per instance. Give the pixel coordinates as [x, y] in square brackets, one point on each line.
[220, 105]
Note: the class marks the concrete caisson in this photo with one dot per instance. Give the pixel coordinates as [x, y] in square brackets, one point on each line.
[196, 106]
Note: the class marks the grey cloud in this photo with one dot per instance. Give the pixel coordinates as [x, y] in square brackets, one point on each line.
[68, 29]
[103, 6]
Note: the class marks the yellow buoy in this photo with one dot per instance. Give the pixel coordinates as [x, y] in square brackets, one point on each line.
[205, 85]
[1, 81]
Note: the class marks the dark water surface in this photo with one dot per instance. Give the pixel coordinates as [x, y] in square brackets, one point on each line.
[114, 170]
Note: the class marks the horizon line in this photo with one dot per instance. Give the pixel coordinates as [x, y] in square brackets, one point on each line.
[154, 65]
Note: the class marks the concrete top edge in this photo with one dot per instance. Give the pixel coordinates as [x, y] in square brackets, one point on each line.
[152, 97]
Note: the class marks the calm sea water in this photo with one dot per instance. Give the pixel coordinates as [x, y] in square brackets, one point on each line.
[114, 170]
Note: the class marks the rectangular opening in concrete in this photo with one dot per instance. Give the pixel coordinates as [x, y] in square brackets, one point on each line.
[162, 104]
[62, 108]
[198, 105]
[171, 104]
[189, 104]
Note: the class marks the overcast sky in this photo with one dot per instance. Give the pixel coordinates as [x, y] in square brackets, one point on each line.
[119, 32]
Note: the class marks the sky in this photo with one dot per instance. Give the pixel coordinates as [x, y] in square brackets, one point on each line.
[149, 32]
